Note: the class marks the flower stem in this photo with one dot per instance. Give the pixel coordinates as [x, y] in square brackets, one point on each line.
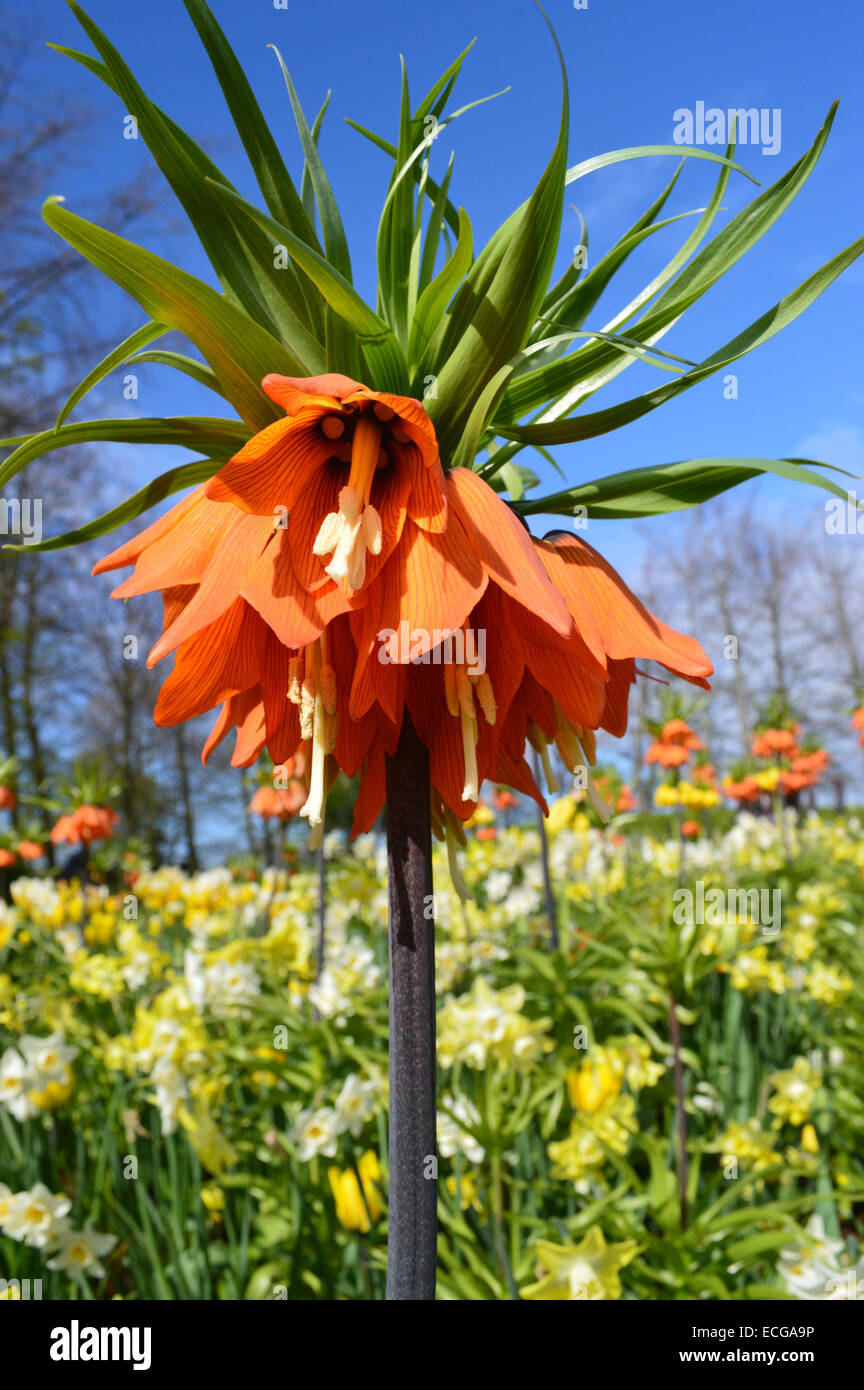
[413, 1199]
[551, 914]
[681, 1111]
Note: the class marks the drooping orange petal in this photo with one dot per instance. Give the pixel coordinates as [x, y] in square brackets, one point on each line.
[241, 543]
[221, 661]
[295, 615]
[431, 583]
[427, 499]
[293, 393]
[370, 794]
[251, 733]
[504, 548]
[622, 675]
[515, 773]
[128, 553]
[628, 629]
[181, 555]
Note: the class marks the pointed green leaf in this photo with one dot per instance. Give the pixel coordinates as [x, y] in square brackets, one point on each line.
[380, 347]
[240, 352]
[602, 421]
[222, 438]
[670, 487]
[148, 333]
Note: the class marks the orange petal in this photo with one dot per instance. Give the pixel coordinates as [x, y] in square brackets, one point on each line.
[221, 661]
[431, 583]
[272, 470]
[181, 555]
[505, 548]
[628, 629]
[296, 616]
[294, 393]
[128, 553]
[243, 540]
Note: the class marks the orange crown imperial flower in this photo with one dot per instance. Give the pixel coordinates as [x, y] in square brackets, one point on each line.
[84, 825]
[773, 742]
[330, 579]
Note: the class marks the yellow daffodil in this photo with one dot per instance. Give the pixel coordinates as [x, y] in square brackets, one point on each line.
[588, 1270]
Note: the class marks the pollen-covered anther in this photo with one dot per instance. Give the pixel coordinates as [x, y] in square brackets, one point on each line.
[327, 679]
[485, 697]
[295, 679]
[333, 426]
[307, 709]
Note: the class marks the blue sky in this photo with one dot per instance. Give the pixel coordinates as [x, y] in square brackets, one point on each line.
[631, 66]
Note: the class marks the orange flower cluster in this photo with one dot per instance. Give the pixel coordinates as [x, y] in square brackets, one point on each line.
[691, 829]
[282, 803]
[8, 799]
[745, 790]
[84, 825]
[505, 800]
[805, 771]
[772, 743]
[331, 580]
[623, 801]
[29, 849]
[858, 723]
[674, 746]
[7, 858]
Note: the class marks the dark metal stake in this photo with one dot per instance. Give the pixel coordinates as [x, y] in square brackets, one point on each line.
[413, 1189]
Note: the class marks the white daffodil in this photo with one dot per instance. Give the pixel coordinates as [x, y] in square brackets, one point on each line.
[79, 1252]
[16, 1081]
[34, 1216]
[315, 1132]
[355, 1104]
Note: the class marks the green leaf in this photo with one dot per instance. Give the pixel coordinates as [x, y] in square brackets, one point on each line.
[186, 475]
[469, 442]
[573, 378]
[602, 421]
[246, 271]
[437, 295]
[670, 487]
[342, 354]
[148, 333]
[274, 180]
[190, 366]
[240, 352]
[222, 438]
[307, 192]
[380, 347]
[432, 188]
[498, 313]
[601, 161]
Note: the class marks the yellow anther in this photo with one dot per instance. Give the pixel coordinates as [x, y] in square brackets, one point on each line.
[485, 697]
[295, 675]
[328, 688]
